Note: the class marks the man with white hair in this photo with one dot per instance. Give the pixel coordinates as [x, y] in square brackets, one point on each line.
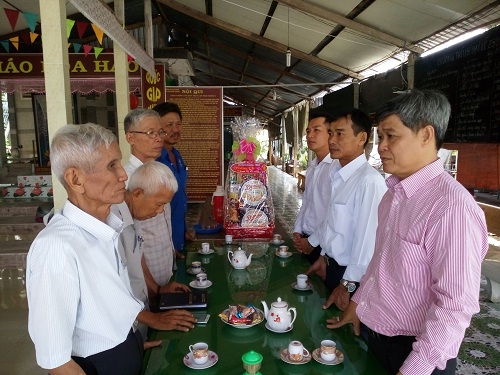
[149, 189]
[82, 312]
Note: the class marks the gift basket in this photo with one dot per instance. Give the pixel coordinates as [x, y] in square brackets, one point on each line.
[248, 206]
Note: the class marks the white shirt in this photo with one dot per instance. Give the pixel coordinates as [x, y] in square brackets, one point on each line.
[348, 232]
[158, 247]
[79, 296]
[316, 196]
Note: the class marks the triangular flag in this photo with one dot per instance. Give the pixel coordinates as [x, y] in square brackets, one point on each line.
[98, 33]
[69, 27]
[33, 36]
[15, 42]
[25, 37]
[12, 15]
[81, 26]
[77, 47]
[5, 44]
[97, 51]
[31, 20]
[87, 49]
[130, 58]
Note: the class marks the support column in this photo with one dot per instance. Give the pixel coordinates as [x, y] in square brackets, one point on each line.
[410, 74]
[56, 72]
[355, 84]
[122, 85]
[295, 140]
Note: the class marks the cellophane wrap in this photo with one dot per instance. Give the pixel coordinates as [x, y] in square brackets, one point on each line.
[248, 206]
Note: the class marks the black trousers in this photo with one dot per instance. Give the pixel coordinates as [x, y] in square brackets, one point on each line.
[334, 273]
[392, 351]
[123, 359]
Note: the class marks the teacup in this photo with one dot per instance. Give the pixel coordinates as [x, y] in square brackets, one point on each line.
[296, 351]
[229, 239]
[276, 238]
[201, 279]
[327, 350]
[302, 281]
[283, 250]
[205, 247]
[196, 267]
[200, 352]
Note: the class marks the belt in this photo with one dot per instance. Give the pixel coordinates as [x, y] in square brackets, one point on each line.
[330, 261]
[400, 340]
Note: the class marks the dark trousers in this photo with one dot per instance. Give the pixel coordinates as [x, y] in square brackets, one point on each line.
[313, 255]
[123, 359]
[334, 273]
[392, 351]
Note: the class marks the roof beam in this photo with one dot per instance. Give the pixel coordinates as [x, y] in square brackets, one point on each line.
[327, 14]
[243, 33]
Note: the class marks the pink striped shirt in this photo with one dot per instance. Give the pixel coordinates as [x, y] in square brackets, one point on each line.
[423, 279]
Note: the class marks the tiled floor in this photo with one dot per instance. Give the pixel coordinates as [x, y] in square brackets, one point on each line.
[479, 354]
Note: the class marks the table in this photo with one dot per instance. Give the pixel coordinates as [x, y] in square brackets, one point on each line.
[266, 278]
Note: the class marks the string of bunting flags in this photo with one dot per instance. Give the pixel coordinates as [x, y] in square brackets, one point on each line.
[30, 38]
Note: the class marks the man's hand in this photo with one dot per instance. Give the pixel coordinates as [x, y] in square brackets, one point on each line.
[174, 320]
[340, 297]
[349, 316]
[69, 368]
[174, 286]
[304, 246]
[296, 238]
[318, 267]
[151, 344]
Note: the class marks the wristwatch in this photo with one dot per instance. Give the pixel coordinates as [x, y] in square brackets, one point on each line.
[349, 285]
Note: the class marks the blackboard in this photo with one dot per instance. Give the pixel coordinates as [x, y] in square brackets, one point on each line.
[469, 75]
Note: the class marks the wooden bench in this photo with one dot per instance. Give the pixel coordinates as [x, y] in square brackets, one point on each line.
[301, 180]
[490, 269]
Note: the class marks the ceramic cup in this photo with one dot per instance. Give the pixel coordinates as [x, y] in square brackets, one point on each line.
[196, 267]
[201, 279]
[327, 350]
[283, 250]
[229, 239]
[276, 238]
[302, 281]
[205, 247]
[296, 351]
[200, 352]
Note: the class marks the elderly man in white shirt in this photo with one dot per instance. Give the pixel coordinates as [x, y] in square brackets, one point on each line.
[318, 188]
[149, 189]
[347, 235]
[82, 312]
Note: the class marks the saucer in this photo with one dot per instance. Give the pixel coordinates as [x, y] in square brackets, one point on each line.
[309, 287]
[339, 357]
[190, 271]
[305, 358]
[189, 362]
[273, 242]
[287, 255]
[272, 330]
[193, 284]
[211, 251]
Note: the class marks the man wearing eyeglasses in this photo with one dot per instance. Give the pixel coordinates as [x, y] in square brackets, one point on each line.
[145, 134]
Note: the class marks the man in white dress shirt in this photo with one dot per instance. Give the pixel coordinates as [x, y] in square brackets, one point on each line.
[318, 188]
[145, 134]
[347, 235]
[82, 312]
[149, 189]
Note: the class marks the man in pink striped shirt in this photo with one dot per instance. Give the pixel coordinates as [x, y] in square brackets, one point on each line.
[421, 287]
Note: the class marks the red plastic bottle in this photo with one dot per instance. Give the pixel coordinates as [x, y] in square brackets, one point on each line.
[218, 204]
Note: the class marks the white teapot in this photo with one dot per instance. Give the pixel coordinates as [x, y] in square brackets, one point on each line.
[239, 259]
[279, 318]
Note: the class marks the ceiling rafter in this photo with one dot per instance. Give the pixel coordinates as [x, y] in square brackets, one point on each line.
[243, 33]
[327, 14]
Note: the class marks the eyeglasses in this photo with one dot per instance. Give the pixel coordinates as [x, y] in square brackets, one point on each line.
[152, 133]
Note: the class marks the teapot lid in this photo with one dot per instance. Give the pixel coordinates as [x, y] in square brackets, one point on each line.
[279, 303]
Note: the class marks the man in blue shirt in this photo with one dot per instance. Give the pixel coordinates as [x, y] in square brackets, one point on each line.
[171, 120]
